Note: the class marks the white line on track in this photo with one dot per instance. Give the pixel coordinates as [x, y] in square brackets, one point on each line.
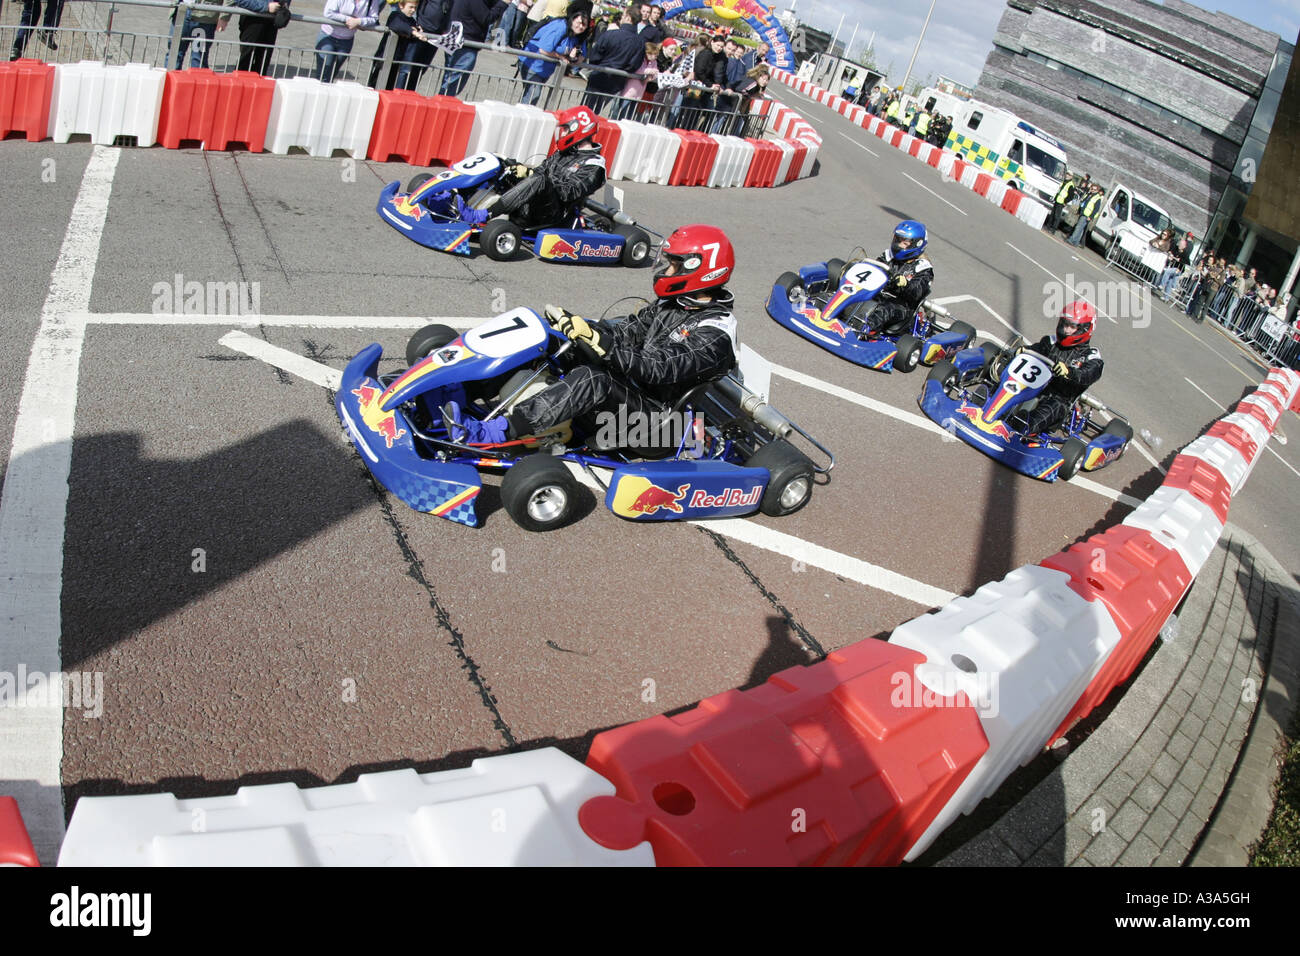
[1225, 408]
[857, 144]
[1073, 291]
[33, 511]
[286, 321]
[934, 194]
[738, 528]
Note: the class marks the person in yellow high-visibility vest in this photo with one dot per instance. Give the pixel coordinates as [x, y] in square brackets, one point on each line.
[1062, 199]
[1088, 211]
[923, 123]
[891, 114]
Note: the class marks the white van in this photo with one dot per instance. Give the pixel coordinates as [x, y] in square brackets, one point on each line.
[1000, 142]
[1130, 221]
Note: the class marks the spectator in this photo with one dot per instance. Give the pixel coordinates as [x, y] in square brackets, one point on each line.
[1062, 199]
[564, 38]
[335, 40]
[657, 19]
[402, 22]
[257, 34]
[756, 57]
[674, 80]
[544, 10]
[734, 79]
[634, 89]
[199, 28]
[31, 13]
[1176, 263]
[513, 22]
[711, 73]
[646, 28]
[475, 17]
[620, 48]
[1089, 210]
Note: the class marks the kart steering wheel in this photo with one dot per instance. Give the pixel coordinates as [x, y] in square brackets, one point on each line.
[553, 313]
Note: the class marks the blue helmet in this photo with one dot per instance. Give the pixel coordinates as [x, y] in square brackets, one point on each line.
[909, 240]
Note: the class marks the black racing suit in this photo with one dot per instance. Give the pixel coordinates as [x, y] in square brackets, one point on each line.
[1055, 400]
[896, 306]
[663, 352]
[552, 195]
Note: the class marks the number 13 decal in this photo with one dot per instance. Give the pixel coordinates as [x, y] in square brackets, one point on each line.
[1030, 375]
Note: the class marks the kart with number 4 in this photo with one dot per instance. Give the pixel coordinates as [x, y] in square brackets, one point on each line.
[830, 305]
[731, 455]
[427, 212]
[983, 394]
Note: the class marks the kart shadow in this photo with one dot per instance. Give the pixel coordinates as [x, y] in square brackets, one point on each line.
[489, 503]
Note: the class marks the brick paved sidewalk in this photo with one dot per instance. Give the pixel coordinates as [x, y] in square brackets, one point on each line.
[1142, 788]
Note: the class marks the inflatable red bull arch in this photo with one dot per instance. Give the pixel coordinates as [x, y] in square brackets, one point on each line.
[759, 17]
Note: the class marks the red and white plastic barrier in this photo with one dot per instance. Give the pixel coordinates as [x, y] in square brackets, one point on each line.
[106, 102]
[320, 117]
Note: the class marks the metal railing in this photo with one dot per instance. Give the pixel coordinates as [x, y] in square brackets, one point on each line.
[150, 32]
[1251, 322]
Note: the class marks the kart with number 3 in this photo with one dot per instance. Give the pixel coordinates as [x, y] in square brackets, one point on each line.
[830, 305]
[731, 456]
[982, 396]
[428, 212]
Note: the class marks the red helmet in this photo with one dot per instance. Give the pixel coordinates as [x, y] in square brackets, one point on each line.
[576, 124]
[694, 259]
[1083, 317]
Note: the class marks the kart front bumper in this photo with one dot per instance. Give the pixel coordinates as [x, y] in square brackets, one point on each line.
[418, 224]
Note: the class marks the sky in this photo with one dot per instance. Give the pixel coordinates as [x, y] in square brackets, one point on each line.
[960, 35]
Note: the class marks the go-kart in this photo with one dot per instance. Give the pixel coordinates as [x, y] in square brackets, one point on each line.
[830, 304]
[427, 213]
[719, 452]
[982, 396]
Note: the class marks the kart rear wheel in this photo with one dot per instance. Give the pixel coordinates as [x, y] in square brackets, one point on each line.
[791, 482]
[909, 353]
[500, 239]
[539, 493]
[944, 373]
[1119, 427]
[834, 273]
[636, 248]
[967, 330]
[423, 342]
[1072, 451]
[417, 181]
[789, 282]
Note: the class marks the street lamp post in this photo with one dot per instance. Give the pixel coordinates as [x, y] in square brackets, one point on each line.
[917, 49]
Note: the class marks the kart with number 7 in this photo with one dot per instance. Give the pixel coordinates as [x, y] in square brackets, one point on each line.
[732, 455]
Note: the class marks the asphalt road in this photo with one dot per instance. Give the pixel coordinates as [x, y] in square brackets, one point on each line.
[326, 629]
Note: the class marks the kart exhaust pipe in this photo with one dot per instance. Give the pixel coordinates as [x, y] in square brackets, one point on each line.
[764, 414]
[610, 213]
[936, 309]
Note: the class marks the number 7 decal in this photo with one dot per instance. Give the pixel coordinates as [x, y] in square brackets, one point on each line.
[713, 248]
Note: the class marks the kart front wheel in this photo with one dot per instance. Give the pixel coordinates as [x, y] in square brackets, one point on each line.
[909, 353]
[417, 181]
[791, 482]
[422, 343]
[636, 247]
[789, 283]
[1119, 427]
[1072, 451]
[539, 493]
[500, 239]
[967, 331]
[945, 373]
[834, 273]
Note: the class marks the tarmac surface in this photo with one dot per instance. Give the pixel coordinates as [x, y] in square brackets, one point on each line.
[327, 630]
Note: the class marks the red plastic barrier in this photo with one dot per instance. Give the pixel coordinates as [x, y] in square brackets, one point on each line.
[420, 129]
[982, 183]
[895, 137]
[935, 155]
[25, 89]
[694, 160]
[914, 148]
[1140, 582]
[796, 160]
[1011, 200]
[845, 762]
[15, 844]
[215, 109]
[1203, 482]
[763, 167]
[958, 169]
[1256, 413]
[1270, 398]
[1237, 437]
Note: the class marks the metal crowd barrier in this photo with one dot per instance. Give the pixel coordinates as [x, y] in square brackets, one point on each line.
[1130, 263]
[149, 32]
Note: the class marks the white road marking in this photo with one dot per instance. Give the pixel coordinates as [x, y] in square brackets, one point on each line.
[291, 362]
[1073, 291]
[951, 299]
[33, 512]
[857, 144]
[281, 321]
[1225, 408]
[934, 194]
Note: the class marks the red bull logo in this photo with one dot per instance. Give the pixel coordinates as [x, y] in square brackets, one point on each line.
[381, 423]
[727, 498]
[408, 208]
[991, 428]
[557, 247]
[654, 498]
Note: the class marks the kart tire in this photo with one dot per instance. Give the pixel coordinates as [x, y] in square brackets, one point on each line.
[480, 198]
[993, 361]
[945, 373]
[909, 353]
[1119, 427]
[834, 273]
[539, 493]
[1072, 451]
[636, 248]
[500, 239]
[967, 330]
[791, 483]
[417, 181]
[431, 337]
[789, 281]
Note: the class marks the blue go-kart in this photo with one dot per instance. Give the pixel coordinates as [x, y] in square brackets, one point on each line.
[982, 396]
[830, 305]
[427, 213]
[719, 452]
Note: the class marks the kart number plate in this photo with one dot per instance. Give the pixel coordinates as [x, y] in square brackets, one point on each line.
[507, 334]
[1029, 371]
[864, 275]
[478, 163]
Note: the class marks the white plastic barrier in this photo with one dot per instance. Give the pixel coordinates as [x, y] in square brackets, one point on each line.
[1032, 212]
[106, 102]
[925, 152]
[946, 163]
[1217, 453]
[780, 118]
[969, 175]
[1267, 408]
[320, 117]
[787, 153]
[1268, 388]
[646, 154]
[1027, 646]
[732, 162]
[997, 191]
[814, 148]
[1178, 520]
[514, 130]
[1253, 427]
[514, 810]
